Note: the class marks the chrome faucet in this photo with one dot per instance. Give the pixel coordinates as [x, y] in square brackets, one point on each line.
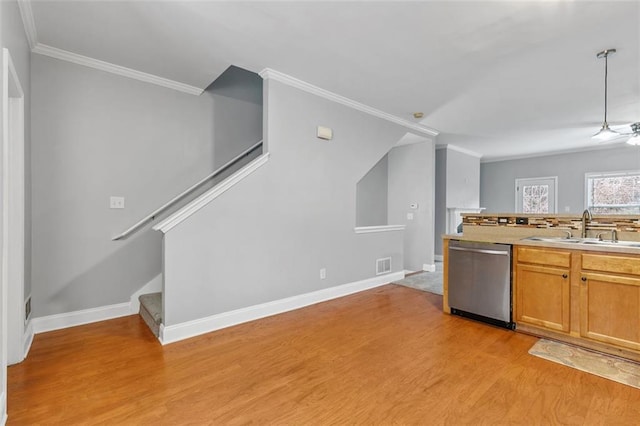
[586, 217]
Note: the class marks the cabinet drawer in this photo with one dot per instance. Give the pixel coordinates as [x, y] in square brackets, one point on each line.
[611, 263]
[544, 257]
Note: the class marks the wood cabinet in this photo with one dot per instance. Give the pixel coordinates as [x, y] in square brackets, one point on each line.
[542, 288]
[584, 297]
[610, 299]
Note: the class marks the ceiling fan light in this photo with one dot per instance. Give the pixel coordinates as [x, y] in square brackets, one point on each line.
[634, 140]
[605, 133]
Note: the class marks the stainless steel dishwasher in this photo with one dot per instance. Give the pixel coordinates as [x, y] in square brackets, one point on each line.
[480, 281]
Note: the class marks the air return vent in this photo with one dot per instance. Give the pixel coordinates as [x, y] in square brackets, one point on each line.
[27, 309]
[383, 266]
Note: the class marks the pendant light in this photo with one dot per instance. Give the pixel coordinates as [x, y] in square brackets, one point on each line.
[605, 132]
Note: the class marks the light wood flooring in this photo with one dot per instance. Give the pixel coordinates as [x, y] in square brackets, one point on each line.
[384, 356]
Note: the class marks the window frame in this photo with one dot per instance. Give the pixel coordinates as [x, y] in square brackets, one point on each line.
[618, 173]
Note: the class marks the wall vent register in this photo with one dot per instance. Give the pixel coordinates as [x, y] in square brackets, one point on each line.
[383, 265]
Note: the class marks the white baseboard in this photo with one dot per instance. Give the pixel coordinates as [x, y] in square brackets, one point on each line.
[153, 286]
[3, 407]
[407, 272]
[85, 316]
[27, 339]
[438, 258]
[177, 332]
[429, 268]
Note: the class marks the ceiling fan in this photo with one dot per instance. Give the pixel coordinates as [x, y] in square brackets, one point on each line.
[606, 133]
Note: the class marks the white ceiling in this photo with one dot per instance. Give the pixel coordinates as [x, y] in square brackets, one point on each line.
[501, 78]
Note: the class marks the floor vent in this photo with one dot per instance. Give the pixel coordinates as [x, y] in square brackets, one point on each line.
[383, 266]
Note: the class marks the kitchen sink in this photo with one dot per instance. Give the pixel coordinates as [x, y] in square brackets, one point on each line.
[591, 241]
[554, 239]
[614, 243]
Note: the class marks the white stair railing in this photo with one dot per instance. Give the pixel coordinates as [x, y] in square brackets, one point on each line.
[163, 208]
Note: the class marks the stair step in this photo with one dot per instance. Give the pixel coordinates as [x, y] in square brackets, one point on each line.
[151, 311]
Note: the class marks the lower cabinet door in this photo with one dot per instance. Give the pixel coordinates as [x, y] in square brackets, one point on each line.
[610, 309]
[542, 297]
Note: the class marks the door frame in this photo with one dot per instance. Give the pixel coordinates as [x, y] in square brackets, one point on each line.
[13, 215]
[520, 181]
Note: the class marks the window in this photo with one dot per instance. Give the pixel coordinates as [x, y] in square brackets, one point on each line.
[613, 192]
[536, 195]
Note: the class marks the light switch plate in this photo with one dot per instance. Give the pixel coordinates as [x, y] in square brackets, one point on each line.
[409, 216]
[116, 202]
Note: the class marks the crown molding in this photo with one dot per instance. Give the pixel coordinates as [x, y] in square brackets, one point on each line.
[29, 23]
[269, 73]
[32, 37]
[618, 145]
[460, 150]
[86, 61]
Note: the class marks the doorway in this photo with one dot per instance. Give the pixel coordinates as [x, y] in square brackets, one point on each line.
[536, 195]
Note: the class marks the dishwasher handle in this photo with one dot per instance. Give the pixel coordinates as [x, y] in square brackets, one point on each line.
[484, 251]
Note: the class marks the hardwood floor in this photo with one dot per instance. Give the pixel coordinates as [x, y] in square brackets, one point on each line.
[384, 356]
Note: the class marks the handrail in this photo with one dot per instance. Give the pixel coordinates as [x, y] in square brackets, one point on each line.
[151, 216]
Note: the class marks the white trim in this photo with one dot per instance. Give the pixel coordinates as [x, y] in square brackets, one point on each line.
[553, 153]
[269, 73]
[438, 258]
[27, 339]
[185, 330]
[85, 316]
[379, 228]
[555, 192]
[182, 214]
[591, 175]
[28, 22]
[86, 61]
[13, 205]
[407, 272]
[429, 268]
[153, 286]
[3, 408]
[459, 149]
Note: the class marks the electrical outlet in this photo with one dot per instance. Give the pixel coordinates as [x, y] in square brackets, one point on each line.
[409, 216]
[323, 273]
[116, 202]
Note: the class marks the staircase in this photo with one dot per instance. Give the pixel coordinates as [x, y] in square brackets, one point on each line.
[151, 311]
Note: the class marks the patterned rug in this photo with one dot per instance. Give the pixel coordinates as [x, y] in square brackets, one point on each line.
[609, 367]
[425, 281]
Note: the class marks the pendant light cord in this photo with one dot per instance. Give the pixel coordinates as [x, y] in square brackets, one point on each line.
[606, 69]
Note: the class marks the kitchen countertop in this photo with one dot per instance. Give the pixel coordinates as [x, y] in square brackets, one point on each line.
[513, 240]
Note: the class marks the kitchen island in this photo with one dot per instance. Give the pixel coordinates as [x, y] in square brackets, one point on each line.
[584, 294]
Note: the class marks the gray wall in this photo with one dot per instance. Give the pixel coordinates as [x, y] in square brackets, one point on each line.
[411, 180]
[237, 112]
[371, 196]
[268, 237]
[95, 135]
[497, 187]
